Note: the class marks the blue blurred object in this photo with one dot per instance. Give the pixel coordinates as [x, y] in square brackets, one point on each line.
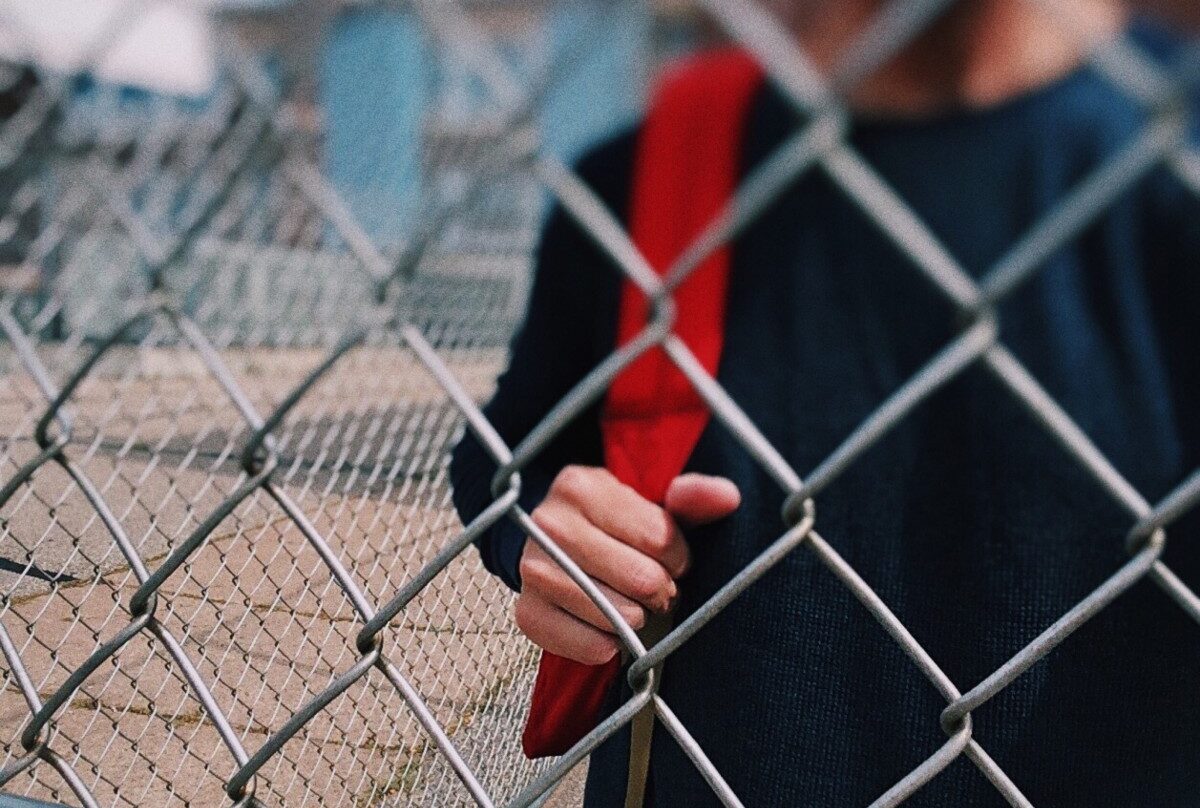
[7, 801]
[374, 85]
[380, 77]
[603, 93]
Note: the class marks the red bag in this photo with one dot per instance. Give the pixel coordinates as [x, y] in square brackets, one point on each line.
[686, 168]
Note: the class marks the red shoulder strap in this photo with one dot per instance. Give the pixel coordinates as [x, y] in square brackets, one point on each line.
[686, 169]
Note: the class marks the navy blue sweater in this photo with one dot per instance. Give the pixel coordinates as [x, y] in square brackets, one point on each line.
[968, 520]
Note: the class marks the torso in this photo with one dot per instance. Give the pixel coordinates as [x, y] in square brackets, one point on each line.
[969, 520]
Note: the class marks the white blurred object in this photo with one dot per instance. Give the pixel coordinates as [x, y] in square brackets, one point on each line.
[152, 44]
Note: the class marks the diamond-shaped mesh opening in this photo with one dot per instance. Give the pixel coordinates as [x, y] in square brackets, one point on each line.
[367, 450]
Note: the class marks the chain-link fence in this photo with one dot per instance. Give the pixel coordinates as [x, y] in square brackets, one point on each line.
[230, 571]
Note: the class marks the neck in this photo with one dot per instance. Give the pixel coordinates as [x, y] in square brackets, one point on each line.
[980, 53]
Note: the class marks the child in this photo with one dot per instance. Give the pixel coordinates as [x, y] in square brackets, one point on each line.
[968, 519]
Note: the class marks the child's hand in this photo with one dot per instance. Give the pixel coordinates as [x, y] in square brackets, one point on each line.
[632, 548]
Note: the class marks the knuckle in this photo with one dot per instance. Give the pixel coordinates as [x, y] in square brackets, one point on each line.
[635, 616]
[602, 474]
[533, 571]
[659, 534]
[648, 581]
[548, 519]
[573, 482]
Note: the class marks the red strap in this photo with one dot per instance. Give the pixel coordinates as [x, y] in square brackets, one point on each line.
[686, 169]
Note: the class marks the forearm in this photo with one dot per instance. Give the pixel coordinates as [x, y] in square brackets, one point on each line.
[471, 472]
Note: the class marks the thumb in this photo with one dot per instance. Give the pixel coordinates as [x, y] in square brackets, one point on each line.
[697, 499]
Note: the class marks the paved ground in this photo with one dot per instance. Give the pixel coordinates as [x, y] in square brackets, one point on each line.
[256, 609]
[570, 793]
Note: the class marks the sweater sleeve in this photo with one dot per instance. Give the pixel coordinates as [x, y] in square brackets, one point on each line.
[568, 328]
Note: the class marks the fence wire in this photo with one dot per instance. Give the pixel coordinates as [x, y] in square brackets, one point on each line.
[231, 574]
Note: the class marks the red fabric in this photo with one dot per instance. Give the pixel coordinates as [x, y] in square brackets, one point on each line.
[686, 169]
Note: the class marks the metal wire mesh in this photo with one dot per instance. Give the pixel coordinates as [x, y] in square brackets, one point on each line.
[230, 570]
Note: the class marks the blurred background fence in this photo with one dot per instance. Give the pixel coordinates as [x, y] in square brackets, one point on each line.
[208, 201]
[256, 263]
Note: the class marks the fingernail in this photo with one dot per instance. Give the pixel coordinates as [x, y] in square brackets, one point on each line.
[672, 597]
